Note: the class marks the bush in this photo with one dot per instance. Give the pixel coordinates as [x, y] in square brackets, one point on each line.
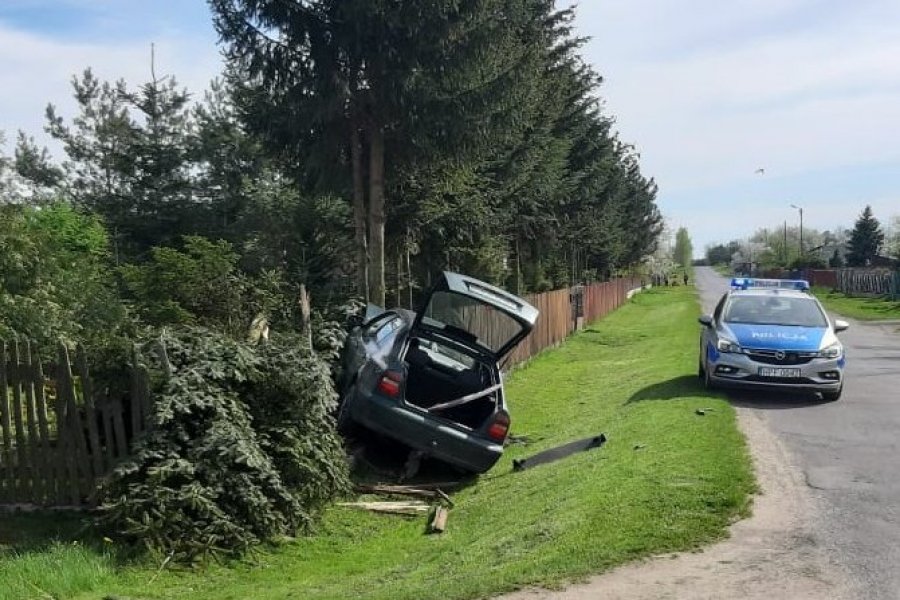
[242, 448]
[55, 277]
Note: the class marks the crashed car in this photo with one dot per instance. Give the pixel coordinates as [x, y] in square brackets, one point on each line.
[772, 334]
[431, 379]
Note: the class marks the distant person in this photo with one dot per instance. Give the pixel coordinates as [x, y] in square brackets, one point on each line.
[686, 278]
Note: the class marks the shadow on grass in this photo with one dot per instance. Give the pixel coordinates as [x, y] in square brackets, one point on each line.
[22, 532]
[673, 389]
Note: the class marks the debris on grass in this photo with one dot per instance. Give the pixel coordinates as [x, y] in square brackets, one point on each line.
[404, 490]
[554, 454]
[439, 519]
[410, 508]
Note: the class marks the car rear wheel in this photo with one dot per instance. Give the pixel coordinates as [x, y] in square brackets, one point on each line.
[345, 424]
[833, 396]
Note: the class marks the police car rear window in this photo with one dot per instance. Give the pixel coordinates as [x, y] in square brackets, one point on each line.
[775, 310]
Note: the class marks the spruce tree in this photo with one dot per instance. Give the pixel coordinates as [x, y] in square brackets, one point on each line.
[866, 239]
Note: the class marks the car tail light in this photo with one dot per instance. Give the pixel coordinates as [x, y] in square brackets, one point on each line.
[499, 427]
[389, 385]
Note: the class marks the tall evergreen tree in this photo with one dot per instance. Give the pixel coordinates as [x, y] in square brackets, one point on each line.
[866, 239]
[129, 158]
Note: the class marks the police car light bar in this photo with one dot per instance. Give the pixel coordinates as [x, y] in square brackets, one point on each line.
[746, 283]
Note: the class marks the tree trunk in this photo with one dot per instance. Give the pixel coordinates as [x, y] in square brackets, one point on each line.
[376, 215]
[359, 213]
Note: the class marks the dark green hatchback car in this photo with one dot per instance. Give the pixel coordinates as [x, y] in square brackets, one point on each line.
[431, 379]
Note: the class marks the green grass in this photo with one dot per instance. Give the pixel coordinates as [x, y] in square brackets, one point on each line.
[862, 308]
[724, 270]
[667, 480]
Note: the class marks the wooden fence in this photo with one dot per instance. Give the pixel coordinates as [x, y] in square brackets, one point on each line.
[559, 318]
[869, 282]
[59, 432]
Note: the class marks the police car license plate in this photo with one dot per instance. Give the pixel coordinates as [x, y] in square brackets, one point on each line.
[778, 372]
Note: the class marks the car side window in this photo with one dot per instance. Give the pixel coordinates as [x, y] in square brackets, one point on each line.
[372, 328]
[384, 332]
[717, 314]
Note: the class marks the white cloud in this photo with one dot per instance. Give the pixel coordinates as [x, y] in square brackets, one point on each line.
[709, 91]
[38, 69]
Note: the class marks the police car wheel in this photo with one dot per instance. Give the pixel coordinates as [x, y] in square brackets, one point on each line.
[833, 396]
[707, 380]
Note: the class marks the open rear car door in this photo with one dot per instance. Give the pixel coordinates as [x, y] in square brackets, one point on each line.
[473, 312]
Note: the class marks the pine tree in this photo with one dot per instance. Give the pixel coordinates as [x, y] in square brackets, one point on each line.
[866, 239]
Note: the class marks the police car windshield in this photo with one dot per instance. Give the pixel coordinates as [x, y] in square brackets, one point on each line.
[775, 310]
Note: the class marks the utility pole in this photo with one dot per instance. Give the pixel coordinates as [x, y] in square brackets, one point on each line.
[801, 228]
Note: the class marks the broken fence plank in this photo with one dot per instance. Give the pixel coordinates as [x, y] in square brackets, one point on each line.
[400, 490]
[399, 508]
[559, 452]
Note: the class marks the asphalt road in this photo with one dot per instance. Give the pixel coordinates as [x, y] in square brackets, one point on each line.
[848, 450]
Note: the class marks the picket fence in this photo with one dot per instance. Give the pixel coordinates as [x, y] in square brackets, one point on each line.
[59, 432]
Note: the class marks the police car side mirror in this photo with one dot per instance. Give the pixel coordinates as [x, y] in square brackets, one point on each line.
[840, 325]
[705, 320]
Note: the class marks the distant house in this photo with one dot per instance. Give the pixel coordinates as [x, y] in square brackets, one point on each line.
[885, 262]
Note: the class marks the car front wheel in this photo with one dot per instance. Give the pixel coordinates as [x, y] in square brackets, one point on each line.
[833, 396]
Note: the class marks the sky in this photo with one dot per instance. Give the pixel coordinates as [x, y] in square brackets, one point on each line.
[707, 91]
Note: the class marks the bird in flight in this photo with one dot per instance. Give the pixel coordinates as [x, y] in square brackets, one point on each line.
[760, 171]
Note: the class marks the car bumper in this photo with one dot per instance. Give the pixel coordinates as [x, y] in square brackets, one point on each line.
[422, 432]
[741, 371]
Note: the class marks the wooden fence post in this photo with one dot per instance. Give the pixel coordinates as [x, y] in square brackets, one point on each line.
[7, 474]
[49, 464]
[90, 413]
[38, 463]
[23, 468]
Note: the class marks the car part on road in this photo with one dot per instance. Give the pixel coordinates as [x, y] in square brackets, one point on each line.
[554, 454]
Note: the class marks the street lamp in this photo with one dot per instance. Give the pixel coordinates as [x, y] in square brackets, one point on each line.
[800, 208]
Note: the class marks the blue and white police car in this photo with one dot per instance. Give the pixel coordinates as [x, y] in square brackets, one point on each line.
[772, 334]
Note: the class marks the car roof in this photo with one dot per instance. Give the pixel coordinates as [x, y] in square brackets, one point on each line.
[771, 292]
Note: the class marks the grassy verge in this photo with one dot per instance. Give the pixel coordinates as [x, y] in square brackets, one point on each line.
[862, 308]
[667, 480]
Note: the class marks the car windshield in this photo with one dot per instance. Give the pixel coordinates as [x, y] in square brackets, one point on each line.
[775, 310]
[468, 319]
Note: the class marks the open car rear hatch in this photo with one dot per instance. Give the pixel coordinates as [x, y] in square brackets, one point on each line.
[476, 313]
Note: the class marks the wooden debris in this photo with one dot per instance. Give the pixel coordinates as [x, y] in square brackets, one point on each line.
[412, 507]
[439, 519]
[400, 490]
[406, 490]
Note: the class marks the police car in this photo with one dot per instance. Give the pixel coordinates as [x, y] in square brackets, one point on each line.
[772, 334]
